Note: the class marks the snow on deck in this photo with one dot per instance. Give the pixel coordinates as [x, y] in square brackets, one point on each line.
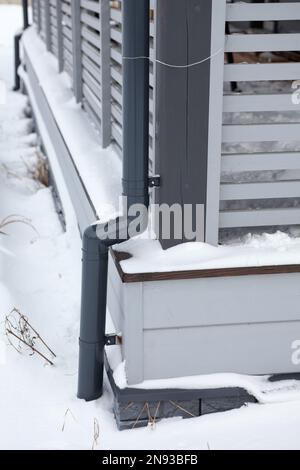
[40, 275]
[251, 250]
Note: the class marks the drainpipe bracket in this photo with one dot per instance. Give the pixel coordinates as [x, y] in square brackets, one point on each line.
[113, 340]
[154, 181]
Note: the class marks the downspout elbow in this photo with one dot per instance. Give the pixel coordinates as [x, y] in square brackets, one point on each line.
[96, 242]
[98, 238]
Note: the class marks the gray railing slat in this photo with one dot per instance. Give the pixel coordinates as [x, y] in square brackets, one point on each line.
[243, 102]
[59, 36]
[261, 161]
[259, 218]
[262, 12]
[261, 132]
[105, 73]
[76, 40]
[94, 102]
[91, 67]
[90, 81]
[267, 190]
[47, 25]
[261, 72]
[262, 42]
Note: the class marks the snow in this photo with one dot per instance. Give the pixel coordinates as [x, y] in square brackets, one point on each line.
[13, 22]
[260, 387]
[40, 275]
[252, 250]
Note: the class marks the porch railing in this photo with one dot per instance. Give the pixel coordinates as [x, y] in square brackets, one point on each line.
[251, 178]
[86, 38]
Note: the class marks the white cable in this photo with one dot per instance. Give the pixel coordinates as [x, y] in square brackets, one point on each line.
[177, 66]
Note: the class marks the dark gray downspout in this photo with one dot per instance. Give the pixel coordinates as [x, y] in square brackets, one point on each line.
[25, 14]
[135, 188]
[17, 39]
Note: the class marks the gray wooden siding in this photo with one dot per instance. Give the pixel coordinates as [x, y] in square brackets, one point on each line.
[253, 145]
[176, 328]
[253, 167]
[95, 64]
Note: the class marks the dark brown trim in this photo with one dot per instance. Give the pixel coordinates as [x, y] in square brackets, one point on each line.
[198, 274]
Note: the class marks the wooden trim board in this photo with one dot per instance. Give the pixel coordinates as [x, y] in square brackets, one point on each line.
[199, 273]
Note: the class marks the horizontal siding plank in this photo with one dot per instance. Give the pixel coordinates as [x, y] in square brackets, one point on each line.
[116, 131]
[261, 132]
[91, 36]
[259, 218]
[93, 101]
[248, 191]
[90, 20]
[262, 42]
[91, 83]
[262, 12]
[92, 68]
[260, 161]
[258, 72]
[236, 103]
[91, 6]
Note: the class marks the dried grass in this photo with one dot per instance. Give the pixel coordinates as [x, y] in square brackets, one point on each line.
[68, 411]
[15, 219]
[96, 434]
[24, 338]
[40, 171]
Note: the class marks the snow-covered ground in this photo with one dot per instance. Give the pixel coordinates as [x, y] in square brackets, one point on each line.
[40, 275]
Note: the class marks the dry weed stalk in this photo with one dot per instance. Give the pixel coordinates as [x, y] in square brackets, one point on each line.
[152, 420]
[139, 416]
[18, 327]
[96, 433]
[40, 171]
[176, 405]
[15, 219]
[8, 172]
[68, 411]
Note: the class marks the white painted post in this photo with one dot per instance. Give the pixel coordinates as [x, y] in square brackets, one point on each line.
[215, 120]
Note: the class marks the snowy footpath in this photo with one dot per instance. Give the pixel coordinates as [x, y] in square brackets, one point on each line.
[40, 276]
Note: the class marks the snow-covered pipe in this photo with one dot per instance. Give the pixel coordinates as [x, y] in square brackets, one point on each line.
[135, 188]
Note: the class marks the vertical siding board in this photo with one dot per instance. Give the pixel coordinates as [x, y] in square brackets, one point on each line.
[182, 106]
[59, 36]
[47, 25]
[171, 99]
[76, 39]
[105, 73]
